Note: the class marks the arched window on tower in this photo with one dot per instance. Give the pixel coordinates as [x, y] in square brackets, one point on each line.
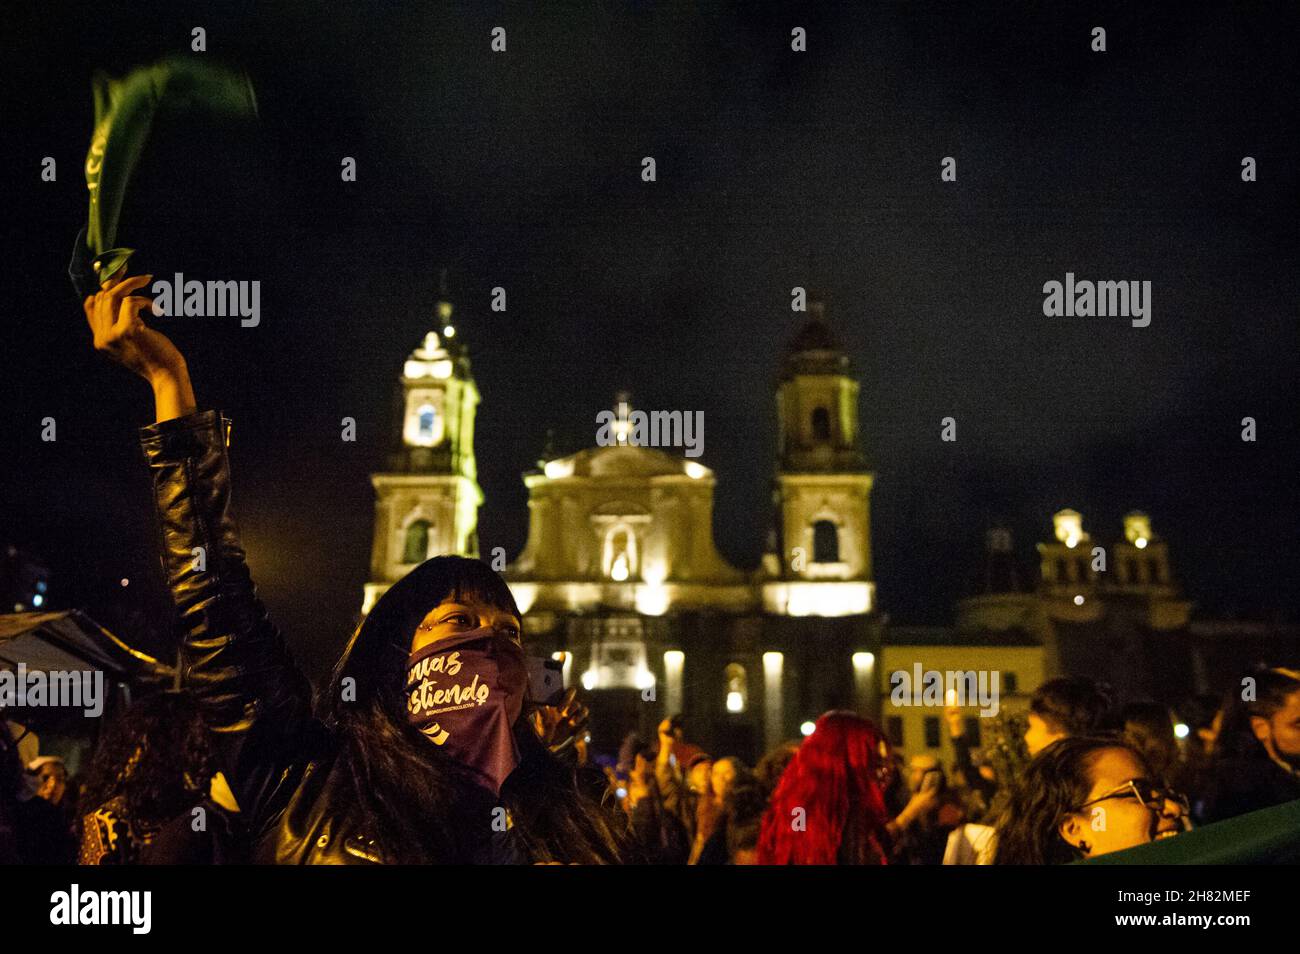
[821, 424]
[737, 691]
[416, 546]
[826, 542]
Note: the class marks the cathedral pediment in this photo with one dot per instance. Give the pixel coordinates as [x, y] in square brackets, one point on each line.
[623, 462]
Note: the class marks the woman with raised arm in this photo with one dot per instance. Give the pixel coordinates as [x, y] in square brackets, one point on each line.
[423, 751]
[829, 807]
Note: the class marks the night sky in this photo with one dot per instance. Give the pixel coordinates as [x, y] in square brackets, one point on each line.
[775, 169]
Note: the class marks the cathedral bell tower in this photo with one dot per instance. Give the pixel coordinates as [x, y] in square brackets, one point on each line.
[428, 498]
[821, 545]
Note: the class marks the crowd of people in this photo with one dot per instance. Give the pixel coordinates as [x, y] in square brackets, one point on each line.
[430, 745]
[1073, 778]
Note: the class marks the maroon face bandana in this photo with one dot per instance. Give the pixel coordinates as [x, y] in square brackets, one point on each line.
[465, 694]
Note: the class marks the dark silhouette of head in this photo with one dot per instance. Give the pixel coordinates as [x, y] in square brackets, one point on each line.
[420, 804]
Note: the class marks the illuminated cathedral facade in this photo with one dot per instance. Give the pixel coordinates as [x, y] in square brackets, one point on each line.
[620, 577]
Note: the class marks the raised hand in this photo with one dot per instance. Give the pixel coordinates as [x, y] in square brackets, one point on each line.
[119, 331]
[558, 726]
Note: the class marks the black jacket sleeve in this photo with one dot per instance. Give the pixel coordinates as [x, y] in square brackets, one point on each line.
[233, 659]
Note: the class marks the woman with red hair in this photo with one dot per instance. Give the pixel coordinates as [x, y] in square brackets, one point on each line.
[829, 807]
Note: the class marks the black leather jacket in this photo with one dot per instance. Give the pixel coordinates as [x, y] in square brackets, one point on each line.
[281, 763]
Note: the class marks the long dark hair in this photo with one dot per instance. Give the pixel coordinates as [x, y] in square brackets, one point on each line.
[1054, 784]
[420, 805]
[155, 757]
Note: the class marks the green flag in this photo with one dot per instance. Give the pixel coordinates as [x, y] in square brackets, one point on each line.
[124, 115]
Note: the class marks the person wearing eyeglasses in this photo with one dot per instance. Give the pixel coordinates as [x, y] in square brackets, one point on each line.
[1082, 797]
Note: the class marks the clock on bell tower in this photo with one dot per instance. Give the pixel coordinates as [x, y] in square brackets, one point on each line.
[427, 499]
